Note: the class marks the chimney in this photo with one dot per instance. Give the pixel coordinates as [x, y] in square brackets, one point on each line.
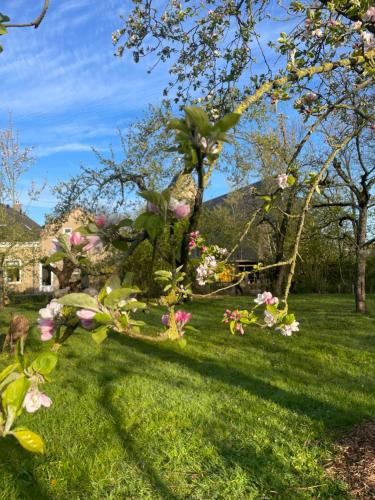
[17, 206]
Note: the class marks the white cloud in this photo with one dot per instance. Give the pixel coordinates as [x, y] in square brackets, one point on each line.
[40, 151]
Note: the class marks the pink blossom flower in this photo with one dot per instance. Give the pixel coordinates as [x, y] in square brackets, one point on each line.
[182, 317]
[34, 399]
[282, 181]
[47, 328]
[266, 298]
[240, 329]
[180, 209]
[86, 317]
[76, 238]
[370, 15]
[100, 220]
[94, 242]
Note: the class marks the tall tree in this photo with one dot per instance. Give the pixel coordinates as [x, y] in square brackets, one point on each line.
[15, 161]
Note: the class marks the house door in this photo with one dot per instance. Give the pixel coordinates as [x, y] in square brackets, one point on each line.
[46, 279]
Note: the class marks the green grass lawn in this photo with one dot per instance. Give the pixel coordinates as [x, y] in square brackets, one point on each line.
[227, 417]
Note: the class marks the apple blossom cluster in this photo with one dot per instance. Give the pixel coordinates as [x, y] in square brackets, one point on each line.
[284, 323]
[206, 270]
[48, 319]
[78, 242]
[103, 221]
[211, 258]
[177, 209]
[195, 240]
[181, 318]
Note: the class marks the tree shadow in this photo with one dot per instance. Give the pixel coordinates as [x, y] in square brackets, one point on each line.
[298, 402]
[20, 465]
[128, 443]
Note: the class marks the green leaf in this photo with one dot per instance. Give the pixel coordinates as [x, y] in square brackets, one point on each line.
[3, 30]
[289, 319]
[157, 199]
[191, 328]
[125, 222]
[176, 124]
[135, 322]
[29, 440]
[55, 257]
[120, 245]
[291, 180]
[7, 370]
[119, 294]
[44, 363]
[4, 18]
[152, 223]
[81, 300]
[199, 118]
[182, 343]
[14, 394]
[227, 122]
[102, 318]
[134, 305]
[100, 334]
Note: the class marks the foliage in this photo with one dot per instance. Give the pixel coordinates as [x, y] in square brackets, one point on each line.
[19, 391]
[210, 46]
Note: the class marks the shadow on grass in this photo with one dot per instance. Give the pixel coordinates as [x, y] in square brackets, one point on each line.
[129, 445]
[298, 402]
[21, 465]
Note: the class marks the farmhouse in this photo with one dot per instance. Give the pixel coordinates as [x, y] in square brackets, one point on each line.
[22, 244]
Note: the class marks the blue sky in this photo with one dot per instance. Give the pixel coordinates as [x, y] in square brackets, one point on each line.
[67, 91]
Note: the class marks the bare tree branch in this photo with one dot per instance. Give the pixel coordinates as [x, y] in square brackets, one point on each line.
[35, 23]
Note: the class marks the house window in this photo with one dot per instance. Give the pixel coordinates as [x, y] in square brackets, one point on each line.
[67, 230]
[46, 276]
[13, 271]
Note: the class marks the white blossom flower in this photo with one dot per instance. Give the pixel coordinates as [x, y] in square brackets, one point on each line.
[282, 181]
[318, 33]
[287, 330]
[269, 319]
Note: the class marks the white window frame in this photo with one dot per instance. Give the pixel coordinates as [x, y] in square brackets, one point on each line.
[67, 230]
[6, 263]
[44, 288]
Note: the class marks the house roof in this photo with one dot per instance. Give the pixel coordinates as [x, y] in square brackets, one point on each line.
[245, 193]
[247, 201]
[14, 221]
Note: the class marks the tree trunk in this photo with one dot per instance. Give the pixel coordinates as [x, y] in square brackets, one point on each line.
[361, 257]
[194, 219]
